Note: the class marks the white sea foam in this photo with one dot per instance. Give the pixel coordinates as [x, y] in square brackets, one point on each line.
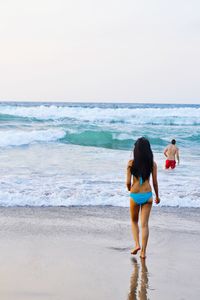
[177, 116]
[73, 175]
[122, 136]
[19, 137]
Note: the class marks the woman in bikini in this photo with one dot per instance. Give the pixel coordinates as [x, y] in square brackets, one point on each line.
[138, 175]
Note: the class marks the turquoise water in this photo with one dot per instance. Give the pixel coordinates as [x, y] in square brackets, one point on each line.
[113, 126]
[93, 131]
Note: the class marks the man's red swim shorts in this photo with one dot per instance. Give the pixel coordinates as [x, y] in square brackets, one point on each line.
[170, 164]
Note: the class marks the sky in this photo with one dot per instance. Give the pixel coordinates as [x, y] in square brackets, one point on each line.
[100, 50]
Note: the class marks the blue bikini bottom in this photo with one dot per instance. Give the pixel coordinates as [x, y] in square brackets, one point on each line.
[141, 198]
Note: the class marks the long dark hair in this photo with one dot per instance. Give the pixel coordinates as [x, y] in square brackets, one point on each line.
[143, 159]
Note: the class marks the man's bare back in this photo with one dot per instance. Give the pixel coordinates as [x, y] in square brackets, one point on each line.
[172, 153]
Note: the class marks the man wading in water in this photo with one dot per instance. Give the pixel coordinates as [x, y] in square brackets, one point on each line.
[171, 152]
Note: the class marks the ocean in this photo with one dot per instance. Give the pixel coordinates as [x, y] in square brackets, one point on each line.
[75, 154]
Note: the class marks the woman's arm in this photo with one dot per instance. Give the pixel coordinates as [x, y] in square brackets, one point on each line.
[155, 182]
[128, 175]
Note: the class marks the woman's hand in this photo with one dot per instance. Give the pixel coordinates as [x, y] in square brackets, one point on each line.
[157, 200]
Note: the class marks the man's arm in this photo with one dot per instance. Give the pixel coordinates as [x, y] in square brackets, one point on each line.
[177, 156]
[165, 151]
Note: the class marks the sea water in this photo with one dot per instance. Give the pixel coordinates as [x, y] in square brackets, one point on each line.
[63, 154]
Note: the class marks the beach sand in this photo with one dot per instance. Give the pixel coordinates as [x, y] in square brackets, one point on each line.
[83, 253]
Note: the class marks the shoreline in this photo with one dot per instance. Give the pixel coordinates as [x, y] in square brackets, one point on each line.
[84, 253]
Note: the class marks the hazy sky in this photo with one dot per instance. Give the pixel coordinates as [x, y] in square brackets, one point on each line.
[100, 50]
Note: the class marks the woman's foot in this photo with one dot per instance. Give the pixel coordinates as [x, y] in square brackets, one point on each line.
[143, 255]
[135, 250]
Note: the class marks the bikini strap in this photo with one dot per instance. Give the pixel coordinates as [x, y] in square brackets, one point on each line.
[141, 180]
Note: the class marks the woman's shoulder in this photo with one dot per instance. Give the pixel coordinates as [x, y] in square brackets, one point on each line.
[130, 163]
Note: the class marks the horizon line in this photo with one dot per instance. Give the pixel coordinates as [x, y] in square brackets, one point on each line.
[97, 102]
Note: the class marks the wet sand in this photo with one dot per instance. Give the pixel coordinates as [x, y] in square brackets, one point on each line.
[84, 253]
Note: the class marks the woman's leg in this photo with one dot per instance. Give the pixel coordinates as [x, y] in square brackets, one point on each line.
[145, 212]
[134, 211]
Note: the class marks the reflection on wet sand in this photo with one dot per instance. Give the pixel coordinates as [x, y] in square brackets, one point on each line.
[139, 281]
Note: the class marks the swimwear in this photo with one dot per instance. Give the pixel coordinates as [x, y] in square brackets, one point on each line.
[141, 198]
[170, 164]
